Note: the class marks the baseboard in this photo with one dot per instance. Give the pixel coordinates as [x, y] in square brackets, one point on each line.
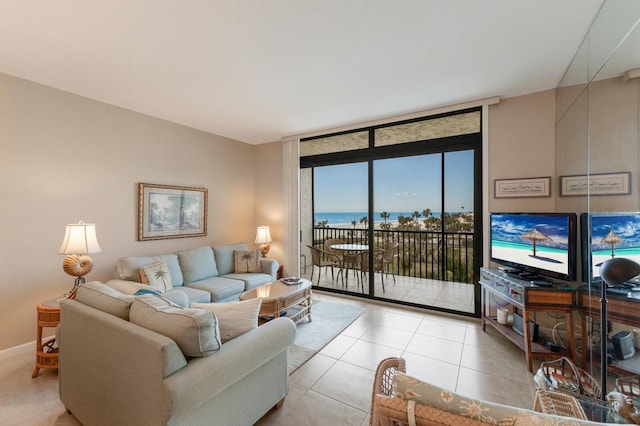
[24, 349]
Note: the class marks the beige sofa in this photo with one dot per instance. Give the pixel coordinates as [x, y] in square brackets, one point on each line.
[203, 274]
[397, 398]
[114, 371]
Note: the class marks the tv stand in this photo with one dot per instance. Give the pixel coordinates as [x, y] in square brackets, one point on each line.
[527, 276]
[522, 297]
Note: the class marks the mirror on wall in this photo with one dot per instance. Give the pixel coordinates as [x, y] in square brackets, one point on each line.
[598, 143]
[598, 115]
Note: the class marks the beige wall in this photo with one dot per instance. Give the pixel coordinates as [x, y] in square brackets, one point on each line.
[65, 158]
[269, 201]
[521, 145]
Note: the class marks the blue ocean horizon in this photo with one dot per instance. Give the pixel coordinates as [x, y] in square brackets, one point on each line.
[337, 219]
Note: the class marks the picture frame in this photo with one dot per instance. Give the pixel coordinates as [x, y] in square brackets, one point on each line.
[522, 187]
[618, 183]
[169, 211]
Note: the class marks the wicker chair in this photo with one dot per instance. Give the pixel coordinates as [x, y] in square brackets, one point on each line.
[322, 259]
[348, 261]
[386, 410]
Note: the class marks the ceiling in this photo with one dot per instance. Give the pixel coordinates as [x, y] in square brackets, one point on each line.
[257, 71]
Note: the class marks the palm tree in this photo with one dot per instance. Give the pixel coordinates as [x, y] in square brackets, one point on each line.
[160, 274]
[426, 213]
[415, 215]
[322, 223]
[248, 257]
[365, 220]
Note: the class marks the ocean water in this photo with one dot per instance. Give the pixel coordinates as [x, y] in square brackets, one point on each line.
[344, 219]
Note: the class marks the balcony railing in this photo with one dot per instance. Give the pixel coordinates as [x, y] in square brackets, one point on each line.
[444, 256]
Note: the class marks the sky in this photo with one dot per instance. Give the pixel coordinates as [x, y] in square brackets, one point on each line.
[405, 184]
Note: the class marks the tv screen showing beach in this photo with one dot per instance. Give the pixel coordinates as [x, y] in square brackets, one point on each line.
[539, 243]
[612, 235]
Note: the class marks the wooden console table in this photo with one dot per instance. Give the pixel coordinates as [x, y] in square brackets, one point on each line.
[526, 298]
[620, 309]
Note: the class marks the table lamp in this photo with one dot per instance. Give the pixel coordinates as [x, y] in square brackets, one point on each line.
[79, 240]
[263, 237]
[613, 271]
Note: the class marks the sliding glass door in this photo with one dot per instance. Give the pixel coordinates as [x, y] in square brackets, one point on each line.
[398, 215]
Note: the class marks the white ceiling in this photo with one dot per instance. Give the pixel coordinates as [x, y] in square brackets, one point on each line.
[260, 70]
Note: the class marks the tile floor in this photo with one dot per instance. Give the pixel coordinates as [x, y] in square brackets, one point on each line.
[334, 387]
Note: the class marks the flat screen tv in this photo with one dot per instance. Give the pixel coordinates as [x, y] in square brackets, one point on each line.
[607, 235]
[535, 245]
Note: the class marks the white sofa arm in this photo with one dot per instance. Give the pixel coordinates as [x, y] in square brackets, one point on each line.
[270, 266]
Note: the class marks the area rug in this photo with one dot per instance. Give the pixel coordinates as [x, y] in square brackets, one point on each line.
[329, 320]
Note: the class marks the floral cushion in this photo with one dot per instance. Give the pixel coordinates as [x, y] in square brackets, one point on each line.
[409, 388]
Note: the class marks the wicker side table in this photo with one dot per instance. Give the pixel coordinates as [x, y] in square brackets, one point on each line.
[559, 404]
[47, 352]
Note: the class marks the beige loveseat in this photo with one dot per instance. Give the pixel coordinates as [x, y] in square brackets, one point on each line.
[399, 399]
[114, 371]
[203, 274]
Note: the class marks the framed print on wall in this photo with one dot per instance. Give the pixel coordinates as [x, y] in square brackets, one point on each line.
[522, 188]
[167, 211]
[618, 183]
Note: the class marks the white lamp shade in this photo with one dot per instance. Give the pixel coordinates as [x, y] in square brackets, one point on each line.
[80, 238]
[263, 236]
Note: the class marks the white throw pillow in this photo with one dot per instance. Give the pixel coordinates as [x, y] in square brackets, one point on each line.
[234, 318]
[157, 276]
[246, 261]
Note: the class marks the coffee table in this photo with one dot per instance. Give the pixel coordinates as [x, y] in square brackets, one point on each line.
[278, 297]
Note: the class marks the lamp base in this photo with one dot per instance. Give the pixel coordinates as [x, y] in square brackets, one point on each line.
[264, 249]
[72, 294]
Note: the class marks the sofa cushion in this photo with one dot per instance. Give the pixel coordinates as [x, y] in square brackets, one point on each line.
[251, 281]
[102, 297]
[246, 261]
[408, 388]
[224, 257]
[220, 288]
[234, 318]
[197, 264]
[128, 268]
[157, 276]
[195, 331]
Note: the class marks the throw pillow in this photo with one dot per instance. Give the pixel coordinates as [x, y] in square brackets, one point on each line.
[197, 264]
[234, 318]
[195, 331]
[246, 261]
[157, 276]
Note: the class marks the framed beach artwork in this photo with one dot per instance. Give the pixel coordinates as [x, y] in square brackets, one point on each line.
[522, 188]
[167, 211]
[618, 183]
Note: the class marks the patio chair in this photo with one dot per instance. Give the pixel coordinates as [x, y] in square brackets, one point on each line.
[347, 260]
[388, 256]
[323, 259]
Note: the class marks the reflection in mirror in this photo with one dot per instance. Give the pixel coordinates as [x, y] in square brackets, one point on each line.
[573, 82]
[598, 131]
[616, 19]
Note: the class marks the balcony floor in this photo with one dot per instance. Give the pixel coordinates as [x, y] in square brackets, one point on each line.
[431, 293]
